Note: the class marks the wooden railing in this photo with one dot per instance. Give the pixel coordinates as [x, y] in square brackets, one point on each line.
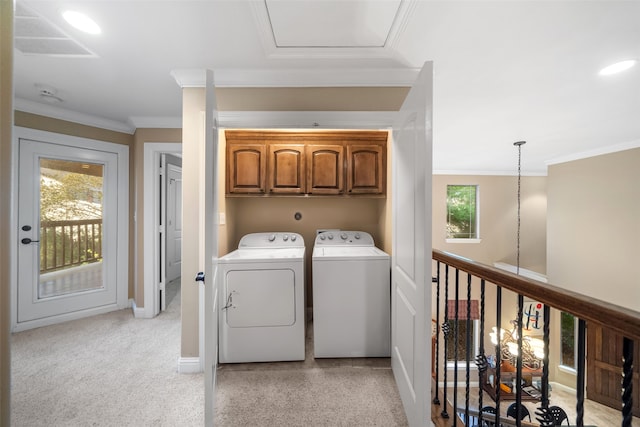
[66, 244]
[447, 284]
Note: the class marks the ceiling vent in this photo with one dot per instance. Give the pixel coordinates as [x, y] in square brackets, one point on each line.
[34, 35]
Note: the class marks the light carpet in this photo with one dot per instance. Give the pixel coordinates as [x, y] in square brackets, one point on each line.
[115, 370]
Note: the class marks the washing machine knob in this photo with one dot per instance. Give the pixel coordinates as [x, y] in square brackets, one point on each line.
[323, 237]
[285, 237]
[330, 236]
[357, 236]
[343, 236]
[272, 237]
[293, 237]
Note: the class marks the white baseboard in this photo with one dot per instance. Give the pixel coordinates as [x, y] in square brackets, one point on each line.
[189, 365]
[138, 312]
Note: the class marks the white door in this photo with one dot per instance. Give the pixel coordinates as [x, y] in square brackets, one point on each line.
[68, 230]
[210, 216]
[411, 261]
[173, 220]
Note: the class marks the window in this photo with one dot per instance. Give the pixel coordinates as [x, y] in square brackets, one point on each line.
[568, 348]
[462, 212]
[463, 330]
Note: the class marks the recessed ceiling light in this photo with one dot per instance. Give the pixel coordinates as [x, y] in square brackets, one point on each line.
[618, 67]
[81, 21]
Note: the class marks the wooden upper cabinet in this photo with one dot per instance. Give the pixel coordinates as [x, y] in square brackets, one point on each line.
[246, 168]
[366, 169]
[306, 163]
[286, 171]
[325, 169]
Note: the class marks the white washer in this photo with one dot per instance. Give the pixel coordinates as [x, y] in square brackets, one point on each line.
[262, 299]
[351, 296]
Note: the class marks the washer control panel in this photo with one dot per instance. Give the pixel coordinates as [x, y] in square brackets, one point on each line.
[344, 238]
[271, 240]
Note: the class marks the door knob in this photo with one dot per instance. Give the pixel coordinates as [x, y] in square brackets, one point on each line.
[27, 241]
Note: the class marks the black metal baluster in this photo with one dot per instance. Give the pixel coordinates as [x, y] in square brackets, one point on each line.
[497, 379]
[455, 349]
[468, 352]
[518, 384]
[581, 373]
[445, 331]
[627, 384]
[437, 363]
[481, 359]
[544, 415]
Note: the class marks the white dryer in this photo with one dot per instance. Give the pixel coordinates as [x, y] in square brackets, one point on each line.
[261, 302]
[351, 296]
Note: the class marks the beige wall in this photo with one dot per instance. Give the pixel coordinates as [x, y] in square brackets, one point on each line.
[136, 200]
[6, 120]
[593, 231]
[34, 121]
[594, 227]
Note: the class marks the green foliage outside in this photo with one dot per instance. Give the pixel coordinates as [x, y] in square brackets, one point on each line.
[70, 219]
[461, 212]
[568, 340]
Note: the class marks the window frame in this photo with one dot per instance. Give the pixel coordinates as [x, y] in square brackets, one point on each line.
[475, 239]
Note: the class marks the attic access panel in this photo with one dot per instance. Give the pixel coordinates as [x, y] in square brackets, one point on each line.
[333, 24]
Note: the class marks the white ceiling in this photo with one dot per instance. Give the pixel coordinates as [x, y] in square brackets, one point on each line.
[504, 71]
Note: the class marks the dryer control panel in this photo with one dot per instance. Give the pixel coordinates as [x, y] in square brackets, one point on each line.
[344, 238]
[271, 240]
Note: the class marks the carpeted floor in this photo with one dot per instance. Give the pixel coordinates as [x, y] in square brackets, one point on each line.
[114, 370]
[107, 370]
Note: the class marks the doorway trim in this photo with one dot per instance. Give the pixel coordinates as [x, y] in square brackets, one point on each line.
[151, 218]
[122, 258]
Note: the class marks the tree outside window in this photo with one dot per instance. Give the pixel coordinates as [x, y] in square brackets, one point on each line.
[568, 326]
[462, 212]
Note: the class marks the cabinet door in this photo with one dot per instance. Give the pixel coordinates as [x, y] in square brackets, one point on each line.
[246, 168]
[325, 169]
[286, 169]
[366, 171]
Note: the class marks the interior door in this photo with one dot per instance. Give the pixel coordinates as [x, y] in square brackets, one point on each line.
[604, 368]
[210, 216]
[67, 212]
[411, 260]
[173, 218]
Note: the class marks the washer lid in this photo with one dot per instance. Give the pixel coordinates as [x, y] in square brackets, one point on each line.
[345, 253]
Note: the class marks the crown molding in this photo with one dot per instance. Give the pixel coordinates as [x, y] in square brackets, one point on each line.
[60, 113]
[595, 152]
[468, 172]
[190, 77]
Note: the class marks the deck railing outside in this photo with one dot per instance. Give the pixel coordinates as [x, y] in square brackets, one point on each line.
[71, 243]
[454, 278]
